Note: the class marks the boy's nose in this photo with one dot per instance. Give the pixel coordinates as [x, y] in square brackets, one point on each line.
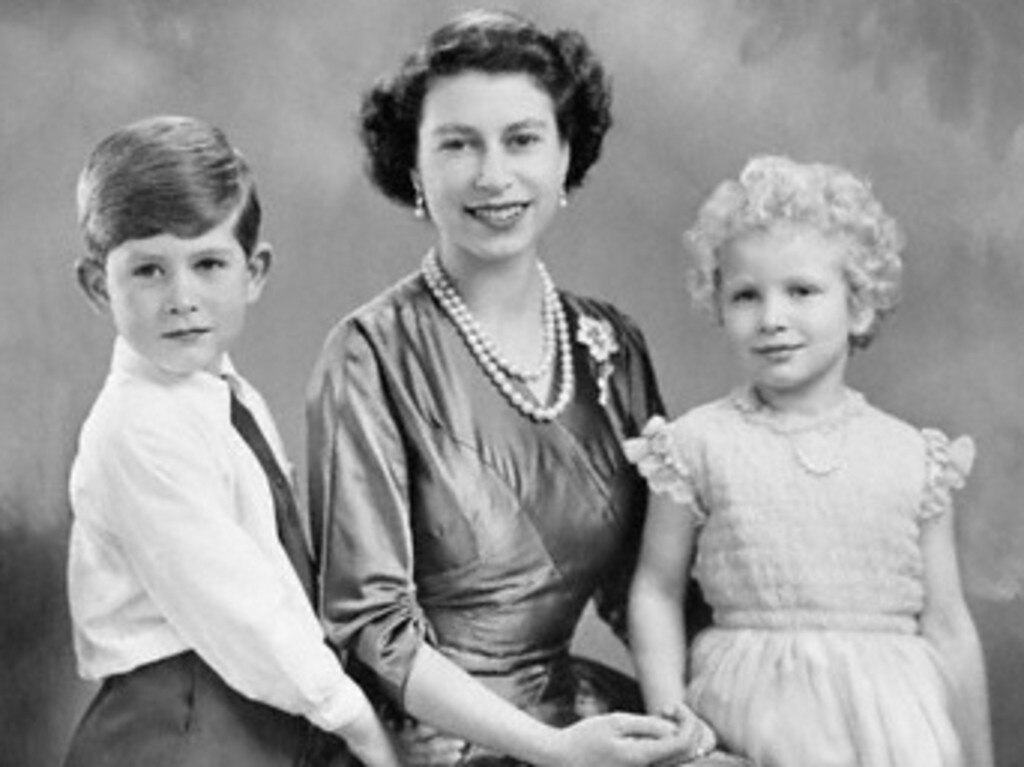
[181, 297]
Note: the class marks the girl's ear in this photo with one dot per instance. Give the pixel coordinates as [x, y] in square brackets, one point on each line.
[92, 279]
[258, 266]
[862, 317]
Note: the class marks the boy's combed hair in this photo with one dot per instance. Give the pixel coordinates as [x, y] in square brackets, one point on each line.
[772, 190]
[165, 175]
[495, 42]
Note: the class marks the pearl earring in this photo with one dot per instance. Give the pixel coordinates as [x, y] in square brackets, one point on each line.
[563, 199]
[420, 208]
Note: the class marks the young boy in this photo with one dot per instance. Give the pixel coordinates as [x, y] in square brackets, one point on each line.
[189, 579]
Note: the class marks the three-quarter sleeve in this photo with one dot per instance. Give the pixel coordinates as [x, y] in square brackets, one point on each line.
[359, 506]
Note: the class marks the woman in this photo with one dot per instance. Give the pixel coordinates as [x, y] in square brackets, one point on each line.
[468, 491]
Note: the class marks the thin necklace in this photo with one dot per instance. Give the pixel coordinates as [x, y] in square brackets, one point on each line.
[819, 447]
[484, 350]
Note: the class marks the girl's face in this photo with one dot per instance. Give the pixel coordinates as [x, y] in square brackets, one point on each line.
[787, 309]
[490, 163]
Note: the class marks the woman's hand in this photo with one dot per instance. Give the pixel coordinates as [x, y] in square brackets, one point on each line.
[625, 740]
[368, 738]
[424, 746]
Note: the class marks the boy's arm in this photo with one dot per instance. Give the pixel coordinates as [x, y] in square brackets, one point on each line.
[171, 510]
[947, 624]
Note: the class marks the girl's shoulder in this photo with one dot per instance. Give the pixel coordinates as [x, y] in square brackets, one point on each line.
[947, 462]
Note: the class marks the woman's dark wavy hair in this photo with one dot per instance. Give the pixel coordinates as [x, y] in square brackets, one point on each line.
[495, 42]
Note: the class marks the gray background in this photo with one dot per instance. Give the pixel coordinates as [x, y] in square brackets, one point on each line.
[924, 96]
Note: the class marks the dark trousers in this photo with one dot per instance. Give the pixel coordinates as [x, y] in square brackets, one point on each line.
[177, 712]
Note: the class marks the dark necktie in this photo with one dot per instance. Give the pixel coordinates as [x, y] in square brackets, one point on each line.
[289, 528]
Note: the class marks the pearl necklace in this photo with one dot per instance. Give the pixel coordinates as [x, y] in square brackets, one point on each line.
[500, 371]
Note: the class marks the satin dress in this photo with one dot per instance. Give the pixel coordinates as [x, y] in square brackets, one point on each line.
[445, 516]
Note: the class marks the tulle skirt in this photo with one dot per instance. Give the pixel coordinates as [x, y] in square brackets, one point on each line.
[789, 698]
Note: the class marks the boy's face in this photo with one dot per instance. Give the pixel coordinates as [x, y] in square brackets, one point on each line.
[179, 302]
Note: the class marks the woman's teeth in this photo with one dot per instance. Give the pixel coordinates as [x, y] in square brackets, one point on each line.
[499, 214]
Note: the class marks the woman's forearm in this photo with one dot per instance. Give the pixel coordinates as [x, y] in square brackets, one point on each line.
[444, 696]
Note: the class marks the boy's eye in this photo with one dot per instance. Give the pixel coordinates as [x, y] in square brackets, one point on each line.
[146, 271]
[210, 264]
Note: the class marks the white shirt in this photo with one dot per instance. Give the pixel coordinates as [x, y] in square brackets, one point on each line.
[174, 545]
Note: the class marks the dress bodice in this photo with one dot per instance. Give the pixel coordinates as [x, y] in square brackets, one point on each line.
[809, 522]
[447, 516]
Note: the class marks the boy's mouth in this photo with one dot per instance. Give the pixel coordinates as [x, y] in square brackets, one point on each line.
[185, 334]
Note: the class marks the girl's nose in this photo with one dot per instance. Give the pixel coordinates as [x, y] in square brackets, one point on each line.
[493, 173]
[773, 314]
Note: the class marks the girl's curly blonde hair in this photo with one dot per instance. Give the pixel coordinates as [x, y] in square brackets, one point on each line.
[772, 190]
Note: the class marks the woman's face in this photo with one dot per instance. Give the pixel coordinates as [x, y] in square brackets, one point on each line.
[490, 163]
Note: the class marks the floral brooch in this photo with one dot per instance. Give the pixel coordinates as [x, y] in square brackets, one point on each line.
[598, 336]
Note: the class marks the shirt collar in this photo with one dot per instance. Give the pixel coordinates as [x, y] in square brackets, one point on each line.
[129, 363]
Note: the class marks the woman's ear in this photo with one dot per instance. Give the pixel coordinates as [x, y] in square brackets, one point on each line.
[258, 266]
[92, 279]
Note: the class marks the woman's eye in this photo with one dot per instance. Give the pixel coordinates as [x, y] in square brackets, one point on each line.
[453, 145]
[523, 140]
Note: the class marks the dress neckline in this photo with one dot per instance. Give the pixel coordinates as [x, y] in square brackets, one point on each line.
[755, 410]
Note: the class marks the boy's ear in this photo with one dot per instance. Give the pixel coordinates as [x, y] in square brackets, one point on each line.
[258, 265]
[92, 279]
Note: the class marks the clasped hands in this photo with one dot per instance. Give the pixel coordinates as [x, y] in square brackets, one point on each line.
[676, 737]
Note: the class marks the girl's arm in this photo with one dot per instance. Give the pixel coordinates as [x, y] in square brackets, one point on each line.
[657, 625]
[947, 624]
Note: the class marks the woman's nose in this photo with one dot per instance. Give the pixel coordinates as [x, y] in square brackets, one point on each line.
[493, 172]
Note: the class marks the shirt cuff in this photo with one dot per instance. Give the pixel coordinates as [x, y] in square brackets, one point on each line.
[346, 703]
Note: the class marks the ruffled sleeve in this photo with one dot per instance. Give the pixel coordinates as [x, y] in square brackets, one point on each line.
[948, 465]
[659, 458]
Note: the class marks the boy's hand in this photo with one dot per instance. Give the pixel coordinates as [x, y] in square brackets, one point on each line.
[368, 738]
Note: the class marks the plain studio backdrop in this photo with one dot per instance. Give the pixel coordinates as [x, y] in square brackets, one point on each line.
[926, 97]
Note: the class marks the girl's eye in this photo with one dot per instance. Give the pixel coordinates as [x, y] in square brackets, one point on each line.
[743, 296]
[803, 291]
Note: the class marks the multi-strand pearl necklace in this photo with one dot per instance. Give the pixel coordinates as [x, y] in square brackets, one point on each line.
[499, 370]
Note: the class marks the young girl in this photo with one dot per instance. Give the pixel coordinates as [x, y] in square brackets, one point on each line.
[820, 528]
